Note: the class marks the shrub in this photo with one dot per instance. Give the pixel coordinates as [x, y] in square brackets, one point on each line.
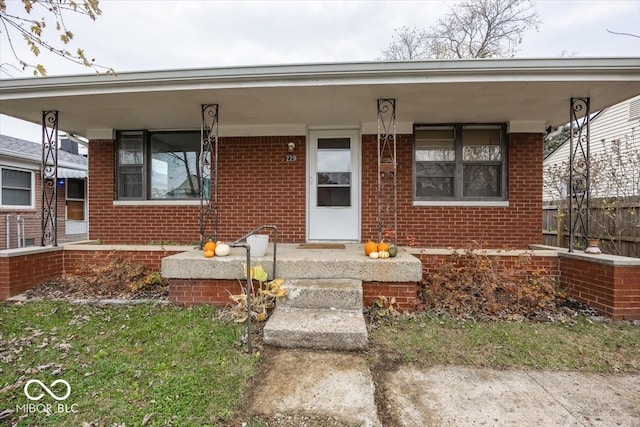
[472, 284]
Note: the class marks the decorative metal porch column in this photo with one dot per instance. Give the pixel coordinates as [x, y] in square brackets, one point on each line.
[49, 178]
[208, 173]
[387, 168]
[579, 173]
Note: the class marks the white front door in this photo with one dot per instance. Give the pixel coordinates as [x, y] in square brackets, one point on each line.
[333, 185]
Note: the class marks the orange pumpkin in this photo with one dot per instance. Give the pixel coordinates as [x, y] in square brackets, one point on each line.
[210, 246]
[370, 247]
[383, 246]
[209, 254]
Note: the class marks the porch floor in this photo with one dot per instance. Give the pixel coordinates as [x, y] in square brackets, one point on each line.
[294, 262]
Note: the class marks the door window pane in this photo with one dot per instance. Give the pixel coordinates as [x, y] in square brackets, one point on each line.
[334, 160]
[334, 196]
[334, 143]
[75, 210]
[333, 176]
[75, 188]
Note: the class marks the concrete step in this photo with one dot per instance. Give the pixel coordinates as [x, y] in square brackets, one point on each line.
[339, 294]
[322, 329]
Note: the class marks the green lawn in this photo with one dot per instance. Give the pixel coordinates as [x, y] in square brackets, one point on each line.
[162, 365]
[129, 364]
[582, 345]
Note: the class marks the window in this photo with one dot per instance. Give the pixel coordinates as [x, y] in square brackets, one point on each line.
[158, 165]
[17, 188]
[460, 163]
[75, 199]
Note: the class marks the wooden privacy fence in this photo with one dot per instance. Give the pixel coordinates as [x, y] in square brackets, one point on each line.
[615, 223]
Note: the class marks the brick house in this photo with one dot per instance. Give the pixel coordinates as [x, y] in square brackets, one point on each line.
[298, 146]
[144, 132]
[20, 201]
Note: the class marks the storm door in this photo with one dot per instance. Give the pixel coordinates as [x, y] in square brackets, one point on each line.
[333, 189]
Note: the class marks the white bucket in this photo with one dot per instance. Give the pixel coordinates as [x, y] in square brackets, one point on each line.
[258, 243]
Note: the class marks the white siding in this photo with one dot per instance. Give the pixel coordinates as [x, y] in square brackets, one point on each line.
[613, 123]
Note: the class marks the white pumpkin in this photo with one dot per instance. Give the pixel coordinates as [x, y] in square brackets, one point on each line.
[383, 254]
[373, 255]
[222, 249]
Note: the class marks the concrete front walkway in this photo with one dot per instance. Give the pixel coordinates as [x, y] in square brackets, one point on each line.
[327, 388]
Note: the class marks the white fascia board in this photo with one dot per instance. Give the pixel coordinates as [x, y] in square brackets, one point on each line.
[359, 73]
[526, 126]
[104, 134]
[262, 130]
[402, 128]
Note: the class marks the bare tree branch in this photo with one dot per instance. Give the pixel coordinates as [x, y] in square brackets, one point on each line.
[471, 29]
[623, 34]
[32, 30]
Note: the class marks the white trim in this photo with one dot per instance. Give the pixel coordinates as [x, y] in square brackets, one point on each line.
[104, 134]
[470, 203]
[526, 126]
[402, 128]
[156, 202]
[433, 71]
[262, 130]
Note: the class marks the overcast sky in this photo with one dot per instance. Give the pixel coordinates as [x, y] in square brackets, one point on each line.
[135, 35]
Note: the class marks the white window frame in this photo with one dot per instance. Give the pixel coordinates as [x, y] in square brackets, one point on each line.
[32, 190]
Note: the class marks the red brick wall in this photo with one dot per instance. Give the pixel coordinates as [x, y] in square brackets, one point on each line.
[613, 290]
[405, 293]
[203, 291]
[257, 186]
[432, 263]
[23, 272]
[515, 226]
[75, 259]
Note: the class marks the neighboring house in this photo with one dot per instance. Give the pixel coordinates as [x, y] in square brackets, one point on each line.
[20, 198]
[298, 145]
[614, 150]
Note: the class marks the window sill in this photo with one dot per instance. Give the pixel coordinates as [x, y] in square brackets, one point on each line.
[479, 203]
[156, 203]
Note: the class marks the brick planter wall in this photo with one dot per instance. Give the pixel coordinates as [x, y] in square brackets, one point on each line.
[405, 293]
[606, 283]
[27, 269]
[75, 259]
[23, 269]
[203, 291]
[432, 262]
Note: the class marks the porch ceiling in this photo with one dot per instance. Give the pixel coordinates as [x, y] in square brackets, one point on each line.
[326, 94]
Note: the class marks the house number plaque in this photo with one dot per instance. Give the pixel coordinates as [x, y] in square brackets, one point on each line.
[291, 158]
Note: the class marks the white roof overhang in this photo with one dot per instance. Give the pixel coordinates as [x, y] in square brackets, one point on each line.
[288, 98]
